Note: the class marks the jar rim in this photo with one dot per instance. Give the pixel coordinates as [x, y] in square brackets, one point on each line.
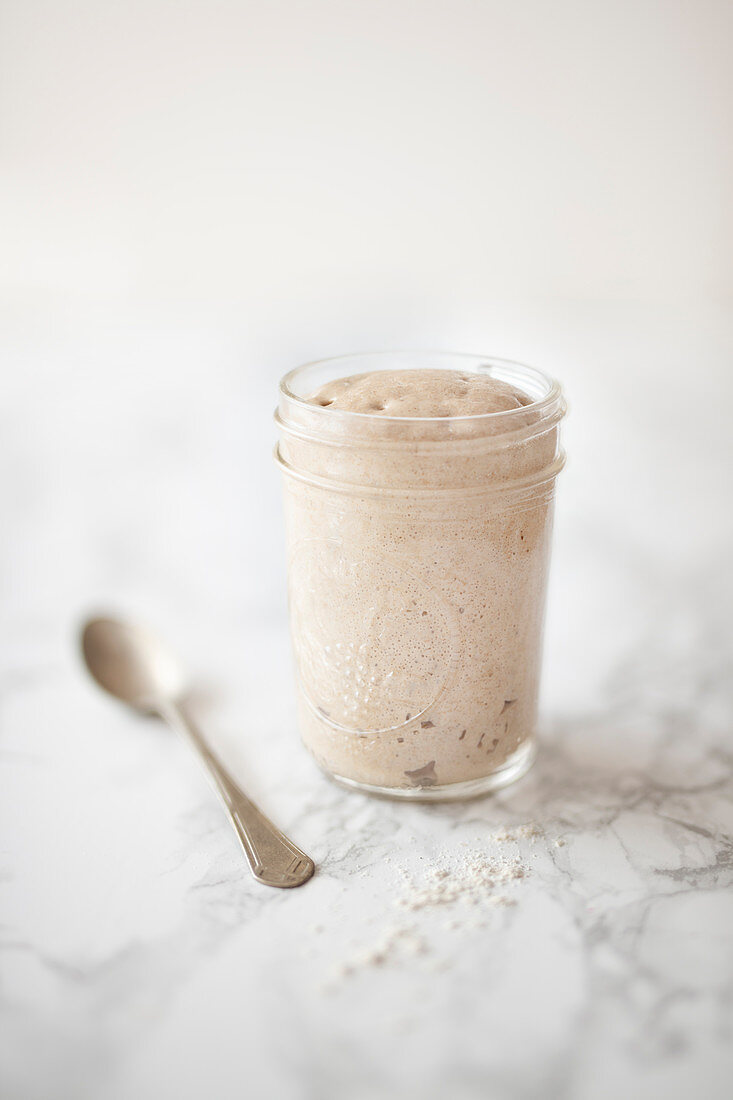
[494, 364]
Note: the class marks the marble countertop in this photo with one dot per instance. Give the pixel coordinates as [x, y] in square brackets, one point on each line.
[139, 960]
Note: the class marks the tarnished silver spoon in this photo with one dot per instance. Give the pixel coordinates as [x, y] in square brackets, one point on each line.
[136, 668]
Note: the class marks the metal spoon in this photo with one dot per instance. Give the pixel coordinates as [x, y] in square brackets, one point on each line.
[133, 666]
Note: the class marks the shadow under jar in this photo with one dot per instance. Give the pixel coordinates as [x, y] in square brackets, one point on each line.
[418, 549]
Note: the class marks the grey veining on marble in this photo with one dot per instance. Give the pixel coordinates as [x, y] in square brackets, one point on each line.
[138, 960]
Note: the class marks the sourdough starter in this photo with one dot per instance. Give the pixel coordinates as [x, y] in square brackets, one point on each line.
[418, 507]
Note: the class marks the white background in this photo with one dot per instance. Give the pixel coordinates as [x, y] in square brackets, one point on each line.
[195, 197]
[198, 196]
[359, 154]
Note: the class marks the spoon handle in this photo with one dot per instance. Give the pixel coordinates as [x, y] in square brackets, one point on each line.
[273, 859]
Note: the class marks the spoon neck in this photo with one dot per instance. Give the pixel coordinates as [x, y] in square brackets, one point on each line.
[177, 714]
[170, 710]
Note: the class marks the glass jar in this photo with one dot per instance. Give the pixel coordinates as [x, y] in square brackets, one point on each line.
[418, 551]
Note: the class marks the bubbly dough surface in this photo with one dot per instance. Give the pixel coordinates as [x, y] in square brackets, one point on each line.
[417, 616]
[420, 393]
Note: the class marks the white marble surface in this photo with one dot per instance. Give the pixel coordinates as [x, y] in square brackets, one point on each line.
[138, 959]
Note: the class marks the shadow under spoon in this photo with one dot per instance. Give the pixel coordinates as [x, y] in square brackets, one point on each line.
[131, 664]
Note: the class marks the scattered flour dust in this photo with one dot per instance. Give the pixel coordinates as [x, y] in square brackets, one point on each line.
[530, 831]
[473, 880]
[466, 887]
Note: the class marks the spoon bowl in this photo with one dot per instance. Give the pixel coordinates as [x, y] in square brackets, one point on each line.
[131, 663]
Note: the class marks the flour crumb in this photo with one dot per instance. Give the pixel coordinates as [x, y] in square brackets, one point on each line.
[473, 882]
[395, 941]
[529, 831]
